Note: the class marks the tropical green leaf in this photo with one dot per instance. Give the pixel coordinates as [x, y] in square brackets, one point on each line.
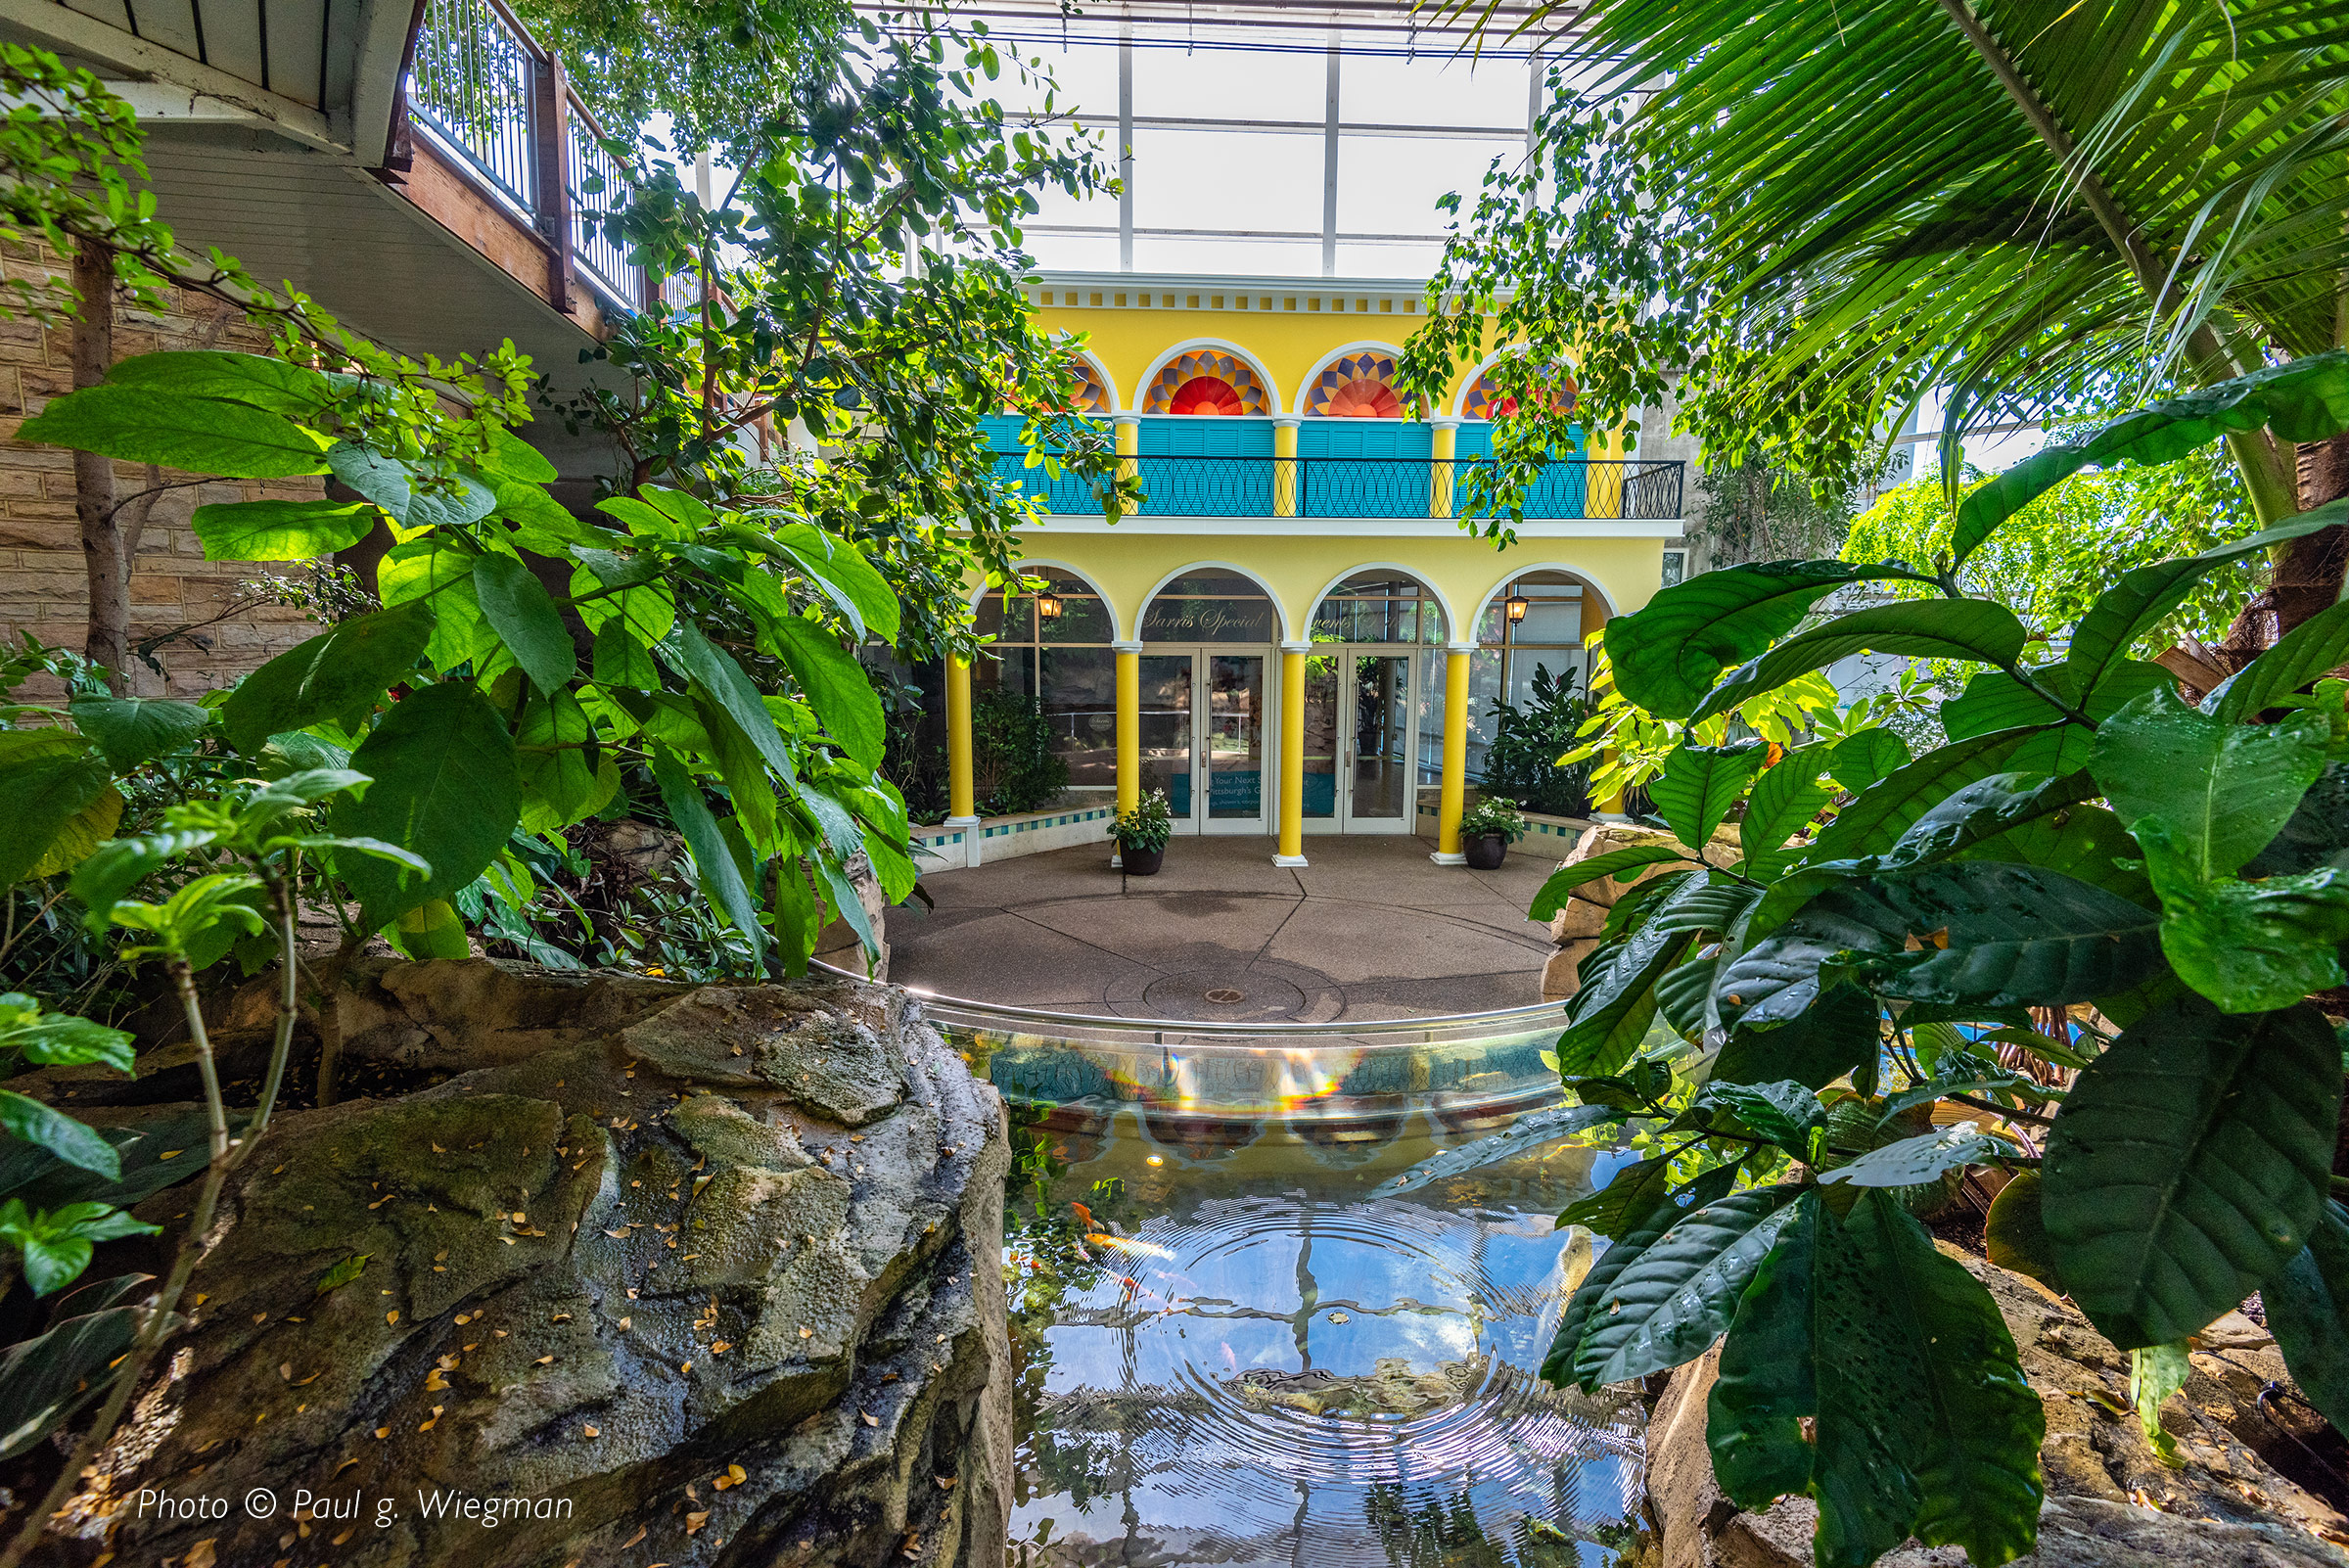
[446, 788]
[259, 381]
[2136, 604]
[60, 1039]
[1835, 1034]
[1629, 1200]
[337, 674]
[47, 1127]
[844, 569]
[1700, 783]
[518, 607]
[49, 779]
[1565, 879]
[279, 531]
[1783, 802]
[1994, 700]
[1537, 1133]
[1974, 629]
[2316, 833]
[2308, 651]
[565, 778]
[439, 572]
[1681, 994]
[720, 878]
[2309, 397]
[1679, 1294]
[195, 434]
[691, 655]
[119, 866]
[837, 688]
[2223, 790]
[1975, 814]
[2308, 1312]
[2190, 1165]
[510, 454]
[2250, 946]
[433, 929]
[1782, 1111]
[1913, 1162]
[450, 500]
[1609, 1015]
[2015, 1235]
[131, 729]
[1884, 810]
[1860, 758]
[46, 1378]
[1666, 656]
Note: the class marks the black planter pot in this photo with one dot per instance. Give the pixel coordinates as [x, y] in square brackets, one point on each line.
[1142, 862]
[1485, 851]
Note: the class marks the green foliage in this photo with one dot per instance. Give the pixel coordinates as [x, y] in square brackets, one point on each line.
[1831, 994]
[1497, 816]
[1147, 827]
[1522, 757]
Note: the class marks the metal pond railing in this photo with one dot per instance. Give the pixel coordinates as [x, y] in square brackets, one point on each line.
[1467, 1064]
[494, 101]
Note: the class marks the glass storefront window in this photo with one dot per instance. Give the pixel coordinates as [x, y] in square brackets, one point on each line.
[1378, 607]
[1209, 607]
[1550, 636]
[1065, 661]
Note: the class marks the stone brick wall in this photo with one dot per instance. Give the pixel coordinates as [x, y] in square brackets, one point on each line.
[200, 626]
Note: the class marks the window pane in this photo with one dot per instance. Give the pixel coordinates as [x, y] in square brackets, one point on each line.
[1227, 180]
[1252, 258]
[1082, 619]
[1432, 89]
[1228, 84]
[1079, 688]
[1084, 80]
[1389, 184]
[1550, 620]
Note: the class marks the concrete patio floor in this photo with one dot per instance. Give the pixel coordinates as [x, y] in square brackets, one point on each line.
[1370, 928]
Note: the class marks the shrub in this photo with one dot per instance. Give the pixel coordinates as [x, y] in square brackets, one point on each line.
[1522, 761]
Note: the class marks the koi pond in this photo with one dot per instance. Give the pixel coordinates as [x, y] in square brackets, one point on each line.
[1233, 1349]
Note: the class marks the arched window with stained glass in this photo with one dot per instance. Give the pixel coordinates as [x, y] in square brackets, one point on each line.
[1209, 382]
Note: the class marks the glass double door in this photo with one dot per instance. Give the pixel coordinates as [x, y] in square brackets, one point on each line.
[1205, 736]
[1358, 747]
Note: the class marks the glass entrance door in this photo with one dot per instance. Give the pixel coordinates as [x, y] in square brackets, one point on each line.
[1378, 792]
[1358, 776]
[1204, 727]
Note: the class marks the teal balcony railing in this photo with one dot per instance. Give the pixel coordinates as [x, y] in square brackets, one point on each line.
[1355, 487]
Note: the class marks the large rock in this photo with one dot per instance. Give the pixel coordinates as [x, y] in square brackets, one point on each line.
[2111, 1502]
[692, 1277]
[1576, 926]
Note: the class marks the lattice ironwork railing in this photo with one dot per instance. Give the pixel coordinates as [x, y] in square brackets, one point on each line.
[1357, 487]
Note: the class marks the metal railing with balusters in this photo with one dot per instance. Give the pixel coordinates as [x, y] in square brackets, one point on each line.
[1355, 487]
[494, 100]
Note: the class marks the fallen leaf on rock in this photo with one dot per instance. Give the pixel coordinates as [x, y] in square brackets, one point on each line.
[391, 1316]
[694, 1521]
[868, 1418]
[594, 1431]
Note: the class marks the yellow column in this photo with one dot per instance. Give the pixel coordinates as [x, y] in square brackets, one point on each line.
[1129, 724]
[1128, 430]
[1444, 447]
[962, 811]
[1291, 849]
[1454, 797]
[1286, 470]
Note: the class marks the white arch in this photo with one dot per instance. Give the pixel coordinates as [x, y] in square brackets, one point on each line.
[1280, 612]
[1305, 387]
[1581, 575]
[1451, 619]
[1459, 398]
[1272, 401]
[1117, 398]
[1037, 566]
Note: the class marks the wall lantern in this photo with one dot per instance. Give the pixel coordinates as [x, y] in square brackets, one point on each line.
[1047, 605]
[1516, 606]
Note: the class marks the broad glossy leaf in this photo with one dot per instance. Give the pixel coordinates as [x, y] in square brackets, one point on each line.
[119, 866]
[1680, 995]
[337, 674]
[1994, 700]
[433, 929]
[1535, 1133]
[1715, 905]
[446, 788]
[510, 454]
[694, 657]
[565, 777]
[47, 1127]
[2316, 833]
[1782, 803]
[2223, 790]
[1860, 758]
[835, 687]
[1644, 1206]
[1836, 1034]
[1782, 1111]
[2250, 946]
[1700, 783]
[195, 434]
[45, 1379]
[1971, 932]
[1974, 629]
[1913, 1162]
[1565, 879]
[1975, 814]
[1609, 1015]
[2015, 1235]
[1666, 656]
[2308, 398]
[2134, 605]
[2308, 1312]
[841, 566]
[1885, 810]
[49, 779]
[131, 729]
[446, 500]
[259, 381]
[436, 570]
[2084, 842]
[1629, 1200]
[848, 906]
[2191, 1163]
[2310, 650]
[518, 607]
[1676, 1298]
[721, 880]
[280, 531]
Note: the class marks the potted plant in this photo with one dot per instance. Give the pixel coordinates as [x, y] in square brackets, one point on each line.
[1487, 831]
[1141, 835]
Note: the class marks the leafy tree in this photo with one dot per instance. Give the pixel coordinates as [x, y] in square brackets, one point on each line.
[1816, 213]
[1521, 764]
[2084, 841]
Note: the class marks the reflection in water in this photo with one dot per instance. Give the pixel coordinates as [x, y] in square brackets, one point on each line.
[1244, 1360]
